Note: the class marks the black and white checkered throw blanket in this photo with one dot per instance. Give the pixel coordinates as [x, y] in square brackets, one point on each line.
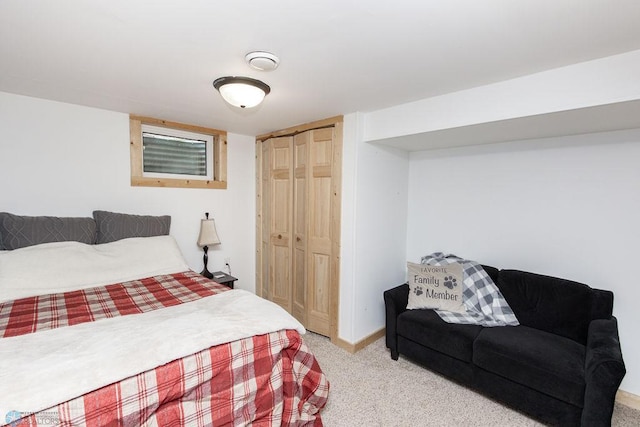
[482, 299]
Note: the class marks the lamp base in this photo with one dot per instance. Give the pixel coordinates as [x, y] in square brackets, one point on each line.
[206, 273]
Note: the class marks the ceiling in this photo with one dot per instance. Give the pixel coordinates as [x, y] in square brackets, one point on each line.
[159, 58]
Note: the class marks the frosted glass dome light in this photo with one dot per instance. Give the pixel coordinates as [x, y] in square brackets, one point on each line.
[242, 92]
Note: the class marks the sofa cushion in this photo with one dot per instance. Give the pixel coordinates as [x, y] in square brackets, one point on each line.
[492, 272]
[427, 328]
[548, 363]
[547, 303]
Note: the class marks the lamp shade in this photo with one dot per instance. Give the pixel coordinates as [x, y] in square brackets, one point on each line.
[208, 234]
[243, 92]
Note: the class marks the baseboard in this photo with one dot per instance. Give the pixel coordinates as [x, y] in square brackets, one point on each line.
[628, 399]
[354, 348]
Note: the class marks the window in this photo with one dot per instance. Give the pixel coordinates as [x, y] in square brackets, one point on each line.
[168, 154]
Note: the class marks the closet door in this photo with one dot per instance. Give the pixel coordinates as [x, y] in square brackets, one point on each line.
[319, 234]
[298, 222]
[279, 212]
[300, 225]
[263, 218]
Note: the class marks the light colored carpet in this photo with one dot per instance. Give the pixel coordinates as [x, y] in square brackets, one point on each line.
[369, 389]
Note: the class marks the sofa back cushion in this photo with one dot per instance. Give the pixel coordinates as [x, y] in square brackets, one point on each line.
[554, 305]
[492, 272]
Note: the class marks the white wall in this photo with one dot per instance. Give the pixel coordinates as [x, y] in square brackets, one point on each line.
[67, 160]
[565, 207]
[373, 240]
[598, 82]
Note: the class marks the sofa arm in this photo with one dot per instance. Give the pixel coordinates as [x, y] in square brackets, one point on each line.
[395, 302]
[604, 370]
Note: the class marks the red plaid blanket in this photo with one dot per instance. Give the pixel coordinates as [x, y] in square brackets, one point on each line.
[52, 311]
[265, 380]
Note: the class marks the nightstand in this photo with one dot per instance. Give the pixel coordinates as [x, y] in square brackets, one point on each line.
[224, 278]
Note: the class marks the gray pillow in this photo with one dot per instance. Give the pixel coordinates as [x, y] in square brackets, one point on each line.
[19, 231]
[117, 226]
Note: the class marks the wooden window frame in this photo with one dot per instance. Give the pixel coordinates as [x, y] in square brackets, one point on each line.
[219, 160]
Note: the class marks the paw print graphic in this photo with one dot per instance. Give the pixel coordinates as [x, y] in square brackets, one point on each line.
[450, 282]
[418, 291]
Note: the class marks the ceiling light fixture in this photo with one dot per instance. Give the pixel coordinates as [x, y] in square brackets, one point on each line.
[262, 61]
[243, 92]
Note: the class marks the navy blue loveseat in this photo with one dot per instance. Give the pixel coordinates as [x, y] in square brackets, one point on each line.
[562, 365]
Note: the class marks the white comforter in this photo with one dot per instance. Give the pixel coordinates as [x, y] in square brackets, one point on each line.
[69, 266]
[40, 370]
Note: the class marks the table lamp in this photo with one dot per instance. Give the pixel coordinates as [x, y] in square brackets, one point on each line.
[208, 237]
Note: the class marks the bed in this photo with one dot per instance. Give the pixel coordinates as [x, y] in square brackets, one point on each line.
[122, 332]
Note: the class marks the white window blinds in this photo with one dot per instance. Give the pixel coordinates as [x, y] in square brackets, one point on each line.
[174, 155]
